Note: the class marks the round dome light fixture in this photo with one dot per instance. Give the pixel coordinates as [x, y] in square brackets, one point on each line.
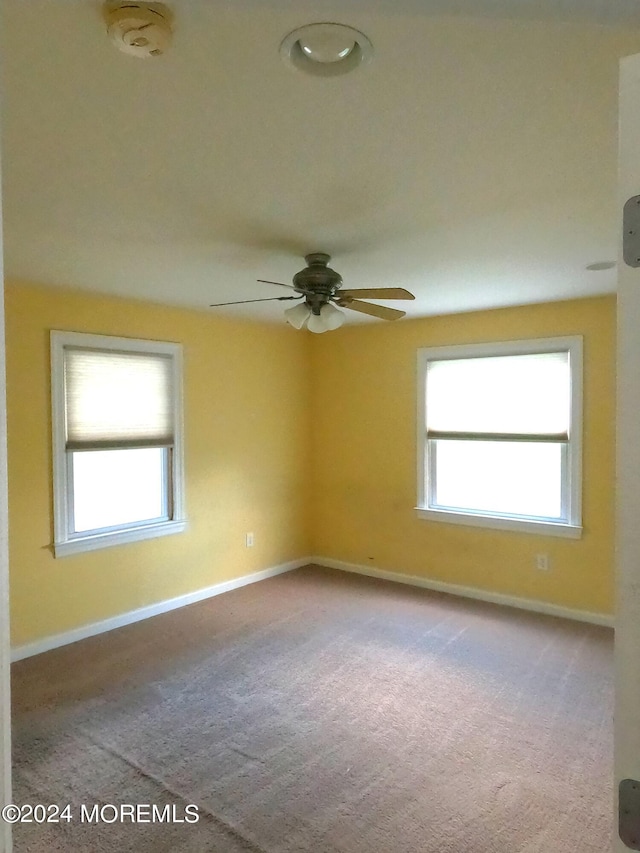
[326, 49]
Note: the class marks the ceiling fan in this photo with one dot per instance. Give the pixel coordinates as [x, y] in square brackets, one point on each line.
[320, 289]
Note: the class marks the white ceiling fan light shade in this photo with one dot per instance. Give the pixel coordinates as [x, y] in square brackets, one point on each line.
[327, 320]
[317, 324]
[298, 315]
[332, 318]
[326, 49]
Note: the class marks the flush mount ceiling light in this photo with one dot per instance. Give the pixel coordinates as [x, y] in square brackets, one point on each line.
[326, 49]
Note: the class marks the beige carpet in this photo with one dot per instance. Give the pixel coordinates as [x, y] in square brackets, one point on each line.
[323, 712]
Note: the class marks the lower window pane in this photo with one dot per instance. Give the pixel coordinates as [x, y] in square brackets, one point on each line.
[510, 478]
[116, 487]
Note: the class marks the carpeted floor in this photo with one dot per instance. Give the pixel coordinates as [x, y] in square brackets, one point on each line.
[318, 711]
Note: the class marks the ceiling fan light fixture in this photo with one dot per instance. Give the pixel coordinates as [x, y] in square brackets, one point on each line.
[331, 317]
[327, 320]
[317, 324]
[298, 315]
[319, 286]
[326, 49]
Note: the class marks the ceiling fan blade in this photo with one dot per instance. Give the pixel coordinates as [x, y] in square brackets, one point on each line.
[279, 283]
[378, 293]
[268, 299]
[380, 311]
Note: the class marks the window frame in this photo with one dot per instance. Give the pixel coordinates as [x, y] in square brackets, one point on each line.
[572, 449]
[65, 540]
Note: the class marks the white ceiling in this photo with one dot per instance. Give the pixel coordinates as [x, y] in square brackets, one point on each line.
[473, 161]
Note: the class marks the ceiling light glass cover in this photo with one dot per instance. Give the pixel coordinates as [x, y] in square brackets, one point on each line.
[326, 44]
[326, 49]
[298, 315]
[327, 320]
[332, 318]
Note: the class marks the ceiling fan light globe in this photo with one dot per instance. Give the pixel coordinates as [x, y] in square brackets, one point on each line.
[317, 324]
[333, 318]
[298, 315]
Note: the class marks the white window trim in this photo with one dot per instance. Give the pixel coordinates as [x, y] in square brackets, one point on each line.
[572, 529]
[64, 542]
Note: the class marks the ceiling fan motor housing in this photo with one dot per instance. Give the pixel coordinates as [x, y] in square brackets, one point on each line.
[317, 281]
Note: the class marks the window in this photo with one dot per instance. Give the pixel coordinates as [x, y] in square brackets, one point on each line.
[499, 435]
[117, 440]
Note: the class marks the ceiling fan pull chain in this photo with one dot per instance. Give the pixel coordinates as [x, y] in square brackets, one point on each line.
[268, 299]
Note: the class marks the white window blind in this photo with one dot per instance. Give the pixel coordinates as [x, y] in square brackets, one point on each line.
[511, 397]
[117, 399]
[500, 435]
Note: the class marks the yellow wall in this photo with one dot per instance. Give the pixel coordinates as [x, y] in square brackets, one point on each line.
[258, 398]
[364, 469]
[246, 420]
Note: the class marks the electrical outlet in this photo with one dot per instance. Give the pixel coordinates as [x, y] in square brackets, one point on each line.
[248, 540]
[542, 562]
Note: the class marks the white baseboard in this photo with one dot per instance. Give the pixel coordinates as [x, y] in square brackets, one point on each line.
[56, 640]
[470, 592]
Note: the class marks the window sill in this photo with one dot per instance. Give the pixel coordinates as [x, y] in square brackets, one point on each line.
[117, 537]
[522, 525]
